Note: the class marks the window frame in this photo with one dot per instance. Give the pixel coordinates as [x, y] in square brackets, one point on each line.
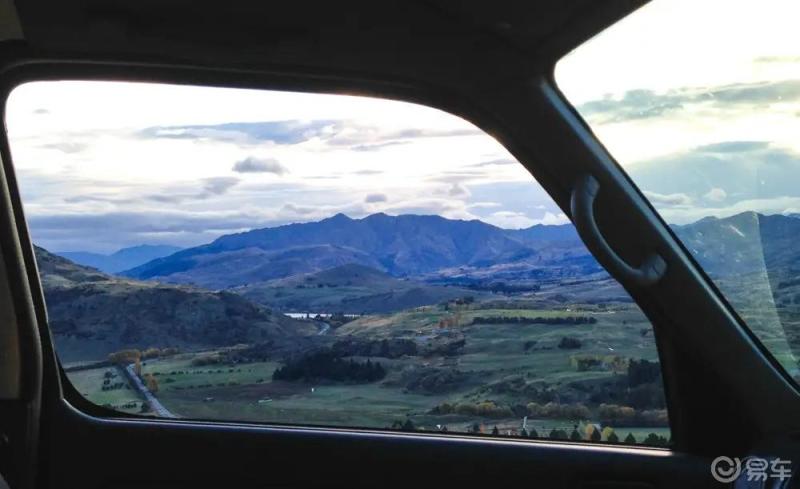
[27, 70]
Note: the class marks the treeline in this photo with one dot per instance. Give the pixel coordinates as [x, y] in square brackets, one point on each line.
[591, 433]
[609, 414]
[504, 288]
[327, 366]
[534, 320]
[132, 355]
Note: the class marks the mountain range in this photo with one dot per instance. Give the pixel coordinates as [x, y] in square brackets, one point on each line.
[401, 246]
[433, 246]
[120, 260]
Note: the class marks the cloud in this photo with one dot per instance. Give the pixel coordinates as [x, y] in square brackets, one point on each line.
[368, 137]
[41, 111]
[458, 190]
[374, 198]
[333, 133]
[218, 185]
[634, 104]
[376, 146]
[484, 205]
[777, 59]
[732, 147]
[277, 132]
[668, 199]
[716, 194]
[368, 172]
[260, 165]
[497, 162]
[450, 208]
[510, 220]
[66, 147]
[552, 219]
[645, 104]
[294, 209]
[457, 176]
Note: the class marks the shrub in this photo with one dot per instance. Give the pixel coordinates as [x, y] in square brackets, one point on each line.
[325, 365]
[569, 343]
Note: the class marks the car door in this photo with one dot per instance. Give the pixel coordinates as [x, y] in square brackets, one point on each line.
[716, 375]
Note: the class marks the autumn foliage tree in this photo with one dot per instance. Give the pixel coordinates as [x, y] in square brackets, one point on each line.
[151, 382]
[125, 356]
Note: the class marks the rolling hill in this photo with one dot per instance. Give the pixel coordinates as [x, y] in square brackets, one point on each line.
[350, 289]
[92, 314]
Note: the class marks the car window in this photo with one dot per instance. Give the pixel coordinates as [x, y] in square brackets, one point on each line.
[322, 260]
[704, 118]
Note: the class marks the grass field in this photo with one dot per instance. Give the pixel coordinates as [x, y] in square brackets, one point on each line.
[503, 365]
[90, 382]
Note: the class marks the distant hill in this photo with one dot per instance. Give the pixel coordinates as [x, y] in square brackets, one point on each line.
[406, 245]
[350, 289]
[123, 259]
[744, 243]
[92, 314]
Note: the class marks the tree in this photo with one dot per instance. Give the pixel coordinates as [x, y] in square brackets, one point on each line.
[495, 431]
[151, 382]
[533, 433]
[408, 425]
[630, 439]
[476, 428]
[612, 438]
[558, 434]
[595, 436]
[523, 433]
[575, 436]
[654, 439]
[607, 431]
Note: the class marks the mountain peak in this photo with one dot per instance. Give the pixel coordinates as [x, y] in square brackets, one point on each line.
[338, 217]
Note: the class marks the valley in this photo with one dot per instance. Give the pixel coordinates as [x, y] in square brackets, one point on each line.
[430, 324]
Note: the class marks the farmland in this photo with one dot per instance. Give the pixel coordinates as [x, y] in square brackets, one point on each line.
[511, 367]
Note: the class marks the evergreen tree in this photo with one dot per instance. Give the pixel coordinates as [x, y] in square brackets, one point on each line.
[523, 433]
[612, 438]
[408, 425]
[533, 433]
[575, 436]
[495, 431]
[630, 439]
[595, 436]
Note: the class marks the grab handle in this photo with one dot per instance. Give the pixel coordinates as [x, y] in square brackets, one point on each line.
[582, 206]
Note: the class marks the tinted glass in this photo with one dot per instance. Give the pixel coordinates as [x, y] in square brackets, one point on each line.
[323, 260]
[706, 123]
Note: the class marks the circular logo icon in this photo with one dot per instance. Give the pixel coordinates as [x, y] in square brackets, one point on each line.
[725, 469]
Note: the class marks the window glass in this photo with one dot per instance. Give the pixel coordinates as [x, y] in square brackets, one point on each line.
[699, 102]
[327, 260]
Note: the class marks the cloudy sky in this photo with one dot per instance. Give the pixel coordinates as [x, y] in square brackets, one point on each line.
[699, 101]
[107, 165]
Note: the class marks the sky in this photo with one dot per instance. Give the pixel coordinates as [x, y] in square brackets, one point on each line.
[699, 101]
[108, 165]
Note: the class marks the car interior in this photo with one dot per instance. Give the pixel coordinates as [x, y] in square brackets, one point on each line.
[489, 67]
